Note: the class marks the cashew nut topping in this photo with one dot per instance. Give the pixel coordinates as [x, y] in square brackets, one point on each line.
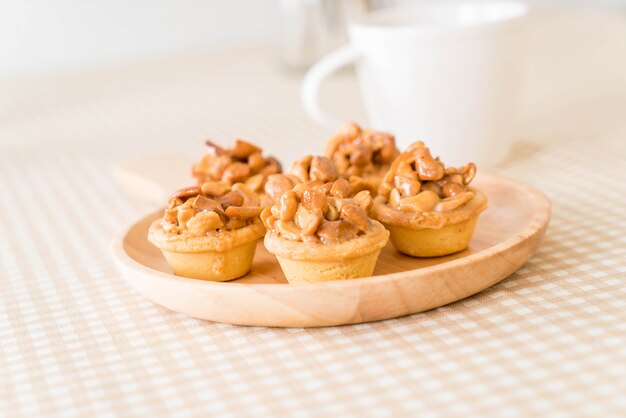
[417, 183]
[313, 211]
[212, 206]
[242, 162]
[361, 152]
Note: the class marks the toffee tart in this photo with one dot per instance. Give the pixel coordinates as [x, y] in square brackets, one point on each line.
[209, 232]
[318, 233]
[243, 162]
[429, 209]
[362, 155]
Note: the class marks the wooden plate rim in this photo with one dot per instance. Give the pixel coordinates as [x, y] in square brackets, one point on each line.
[538, 223]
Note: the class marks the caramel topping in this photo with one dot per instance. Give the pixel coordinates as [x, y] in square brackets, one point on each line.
[417, 183]
[211, 206]
[314, 168]
[315, 171]
[319, 212]
[243, 162]
[361, 152]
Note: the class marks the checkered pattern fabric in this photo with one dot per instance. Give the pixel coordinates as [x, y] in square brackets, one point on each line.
[77, 341]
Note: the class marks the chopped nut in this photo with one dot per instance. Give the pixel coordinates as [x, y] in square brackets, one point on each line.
[174, 203]
[250, 198]
[361, 154]
[204, 222]
[243, 149]
[468, 172]
[308, 220]
[217, 166]
[301, 167]
[341, 188]
[322, 169]
[202, 203]
[354, 214]
[270, 222]
[453, 178]
[233, 198]
[453, 202]
[277, 184]
[265, 214]
[299, 189]
[256, 162]
[324, 188]
[427, 167]
[289, 230]
[171, 215]
[169, 227]
[406, 169]
[236, 172]
[346, 134]
[422, 202]
[329, 231]
[452, 189]
[406, 186]
[432, 187]
[334, 231]
[272, 166]
[214, 188]
[255, 182]
[243, 212]
[332, 214]
[337, 202]
[313, 199]
[363, 199]
[184, 214]
[288, 206]
[394, 198]
[185, 192]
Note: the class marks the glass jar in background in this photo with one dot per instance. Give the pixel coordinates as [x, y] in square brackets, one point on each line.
[311, 28]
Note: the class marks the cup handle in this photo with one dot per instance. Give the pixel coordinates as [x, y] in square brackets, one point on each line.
[309, 93]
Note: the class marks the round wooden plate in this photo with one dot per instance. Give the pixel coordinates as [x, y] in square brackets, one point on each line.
[507, 234]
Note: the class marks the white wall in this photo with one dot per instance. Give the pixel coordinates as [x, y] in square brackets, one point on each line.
[39, 36]
[42, 36]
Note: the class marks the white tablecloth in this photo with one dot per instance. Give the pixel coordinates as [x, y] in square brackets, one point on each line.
[76, 340]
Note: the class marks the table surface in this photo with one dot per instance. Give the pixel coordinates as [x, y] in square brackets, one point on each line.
[76, 340]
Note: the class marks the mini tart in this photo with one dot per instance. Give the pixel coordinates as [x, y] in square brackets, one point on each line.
[319, 234]
[243, 162]
[430, 210]
[316, 262]
[209, 232]
[362, 155]
[218, 256]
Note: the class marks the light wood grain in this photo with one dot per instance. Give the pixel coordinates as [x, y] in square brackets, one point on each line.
[507, 234]
[154, 178]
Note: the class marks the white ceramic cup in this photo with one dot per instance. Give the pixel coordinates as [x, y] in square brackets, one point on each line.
[447, 73]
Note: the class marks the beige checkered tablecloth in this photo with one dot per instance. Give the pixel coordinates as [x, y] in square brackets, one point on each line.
[77, 341]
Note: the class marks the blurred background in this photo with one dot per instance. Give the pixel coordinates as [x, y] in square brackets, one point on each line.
[101, 73]
[40, 37]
